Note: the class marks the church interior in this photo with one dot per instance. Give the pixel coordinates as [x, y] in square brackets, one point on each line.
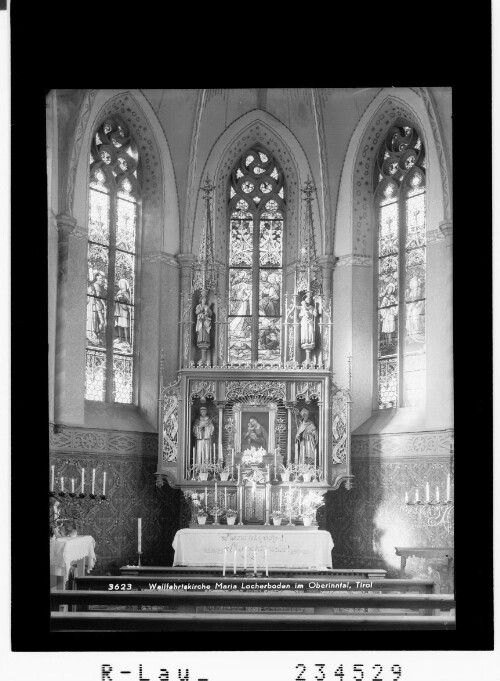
[251, 325]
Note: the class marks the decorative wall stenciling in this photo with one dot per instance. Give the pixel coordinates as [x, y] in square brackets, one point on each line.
[261, 391]
[424, 443]
[69, 439]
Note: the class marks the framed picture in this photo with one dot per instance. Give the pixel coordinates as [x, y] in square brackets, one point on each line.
[254, 426]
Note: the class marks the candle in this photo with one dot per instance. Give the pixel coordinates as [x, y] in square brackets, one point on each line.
[281, 498]
[296, 452]
[427, 492]
[215, 495]
[225, 498]
[52, 478]
[72, 485]
[406, 497]
[268, 472]
[275, 454]
[245, 557]
[139, 535]
[254, 562]
[448, 484]
[206, 498]
[104, 484]
[416, 495]
[224, 565]
[220, 452]
[239, 471]
[93, 480]
[62, 484]
[214, 452]
[234, 562]
[194, 455]
[267, 566]
[437, 493]
[83, 480]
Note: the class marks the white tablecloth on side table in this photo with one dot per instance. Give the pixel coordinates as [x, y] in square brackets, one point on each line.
[292, 549]
[66, 550]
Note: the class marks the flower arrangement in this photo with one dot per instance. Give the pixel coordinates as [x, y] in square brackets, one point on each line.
[202, 513]
[215, 511]
[311, 502]
[253, 456]
[287, 471]
[278, 514]
[230, 513]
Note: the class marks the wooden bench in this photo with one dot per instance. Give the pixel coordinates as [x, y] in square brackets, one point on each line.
[361, 573]
[143, 582]
[153, 621]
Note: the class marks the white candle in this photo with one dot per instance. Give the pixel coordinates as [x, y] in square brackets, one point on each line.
[268, 472]
[234, 562]
[62, 484]
[254, 562]
[194, 455]
[224, 565]
[93, 481]
[437, 493]
[416, 495]
[104, 484]
[53, 471]
[275, 453]
[214, 452]
[448, 485]
[267, 566]
[72, 485]
[281, 498]
[206, 498]
[215, 495]
[83, 480]
[296, 452]
[406, 497]
[427, 492]
[232, 459]
[245, 557]
[220, 452]
[139, 535]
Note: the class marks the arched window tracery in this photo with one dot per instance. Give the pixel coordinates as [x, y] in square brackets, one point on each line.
[113, 215]
[401, 268]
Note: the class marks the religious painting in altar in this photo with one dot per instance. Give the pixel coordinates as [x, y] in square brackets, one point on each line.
[204, 431]
[254, 427]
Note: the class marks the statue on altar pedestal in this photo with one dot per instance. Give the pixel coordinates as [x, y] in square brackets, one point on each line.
[203, 321]
[203, 430]
[306, 438]
[307, 315]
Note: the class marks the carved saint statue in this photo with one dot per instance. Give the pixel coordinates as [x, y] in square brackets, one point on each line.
[203, 430]
[306, 438]
[307, 315]
[203, 321]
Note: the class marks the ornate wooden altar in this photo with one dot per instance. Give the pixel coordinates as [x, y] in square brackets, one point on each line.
[273, 398]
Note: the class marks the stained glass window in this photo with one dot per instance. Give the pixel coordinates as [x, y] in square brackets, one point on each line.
[114, 194]
[256, 223]
[400, 206]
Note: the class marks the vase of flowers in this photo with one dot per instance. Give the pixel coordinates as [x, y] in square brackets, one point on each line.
[230, 516]
[277, 517]
[225, 473]
[203, 471]
[286, 472]
[307, 519]
[202, 517]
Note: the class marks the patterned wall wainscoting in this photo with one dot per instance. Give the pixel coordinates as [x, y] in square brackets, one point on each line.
[369, 520]
[131, 493]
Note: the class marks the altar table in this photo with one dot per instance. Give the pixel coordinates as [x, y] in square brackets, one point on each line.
[66, 550]
[297, 549]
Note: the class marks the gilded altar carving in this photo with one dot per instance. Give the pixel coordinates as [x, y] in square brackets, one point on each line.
[307, 390]
[202, 389]
[255, 391]
[170, 434]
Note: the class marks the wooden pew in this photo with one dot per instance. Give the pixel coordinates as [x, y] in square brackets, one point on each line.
[154, 621]
[143, 582]
[361, 573]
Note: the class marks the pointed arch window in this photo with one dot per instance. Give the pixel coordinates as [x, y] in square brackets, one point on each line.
[113, 213]
[401, 268]
[256, 225]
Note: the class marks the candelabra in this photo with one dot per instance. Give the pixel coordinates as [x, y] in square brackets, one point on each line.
[71, 506]
[431, 512]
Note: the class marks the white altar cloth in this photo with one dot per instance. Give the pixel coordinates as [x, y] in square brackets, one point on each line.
[66, 550]
[297, 549]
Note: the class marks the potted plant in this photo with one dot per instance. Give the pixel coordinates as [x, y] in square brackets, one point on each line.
[202, 516]
[230, 516]
[203, 471]
[286, 472]
[225, 473]
[307, 517]
[277, 517]
[310, 504]
[307, 471]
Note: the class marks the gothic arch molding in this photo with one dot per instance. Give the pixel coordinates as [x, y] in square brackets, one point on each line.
[354, 215]
[159, 192]
[255, 127]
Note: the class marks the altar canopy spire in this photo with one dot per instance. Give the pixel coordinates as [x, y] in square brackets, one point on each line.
[308, 275]
[204, 269]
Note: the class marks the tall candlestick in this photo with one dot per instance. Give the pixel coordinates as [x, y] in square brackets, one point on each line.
[53, 472]
[448, 485]
[427, 496]
[194, 455]
[437, 493]
[416, 495]
[215, 495]
[224, 564]
[245, 557]
[297, 452]
[275, 464]
[406, 497]
[93, 481]
[268, 473]
[83, 480]
[239, 471]
[206, 498]
[214, 452]
[104, 484]
[234, 562]
[62, 484]
[139, 535]
[267, 566]
[290, 502]
[72, 485]
[254, 562]
[232, 458]
[225, 498]
[220, 452]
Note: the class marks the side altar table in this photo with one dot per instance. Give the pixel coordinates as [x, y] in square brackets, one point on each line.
[300, 548]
